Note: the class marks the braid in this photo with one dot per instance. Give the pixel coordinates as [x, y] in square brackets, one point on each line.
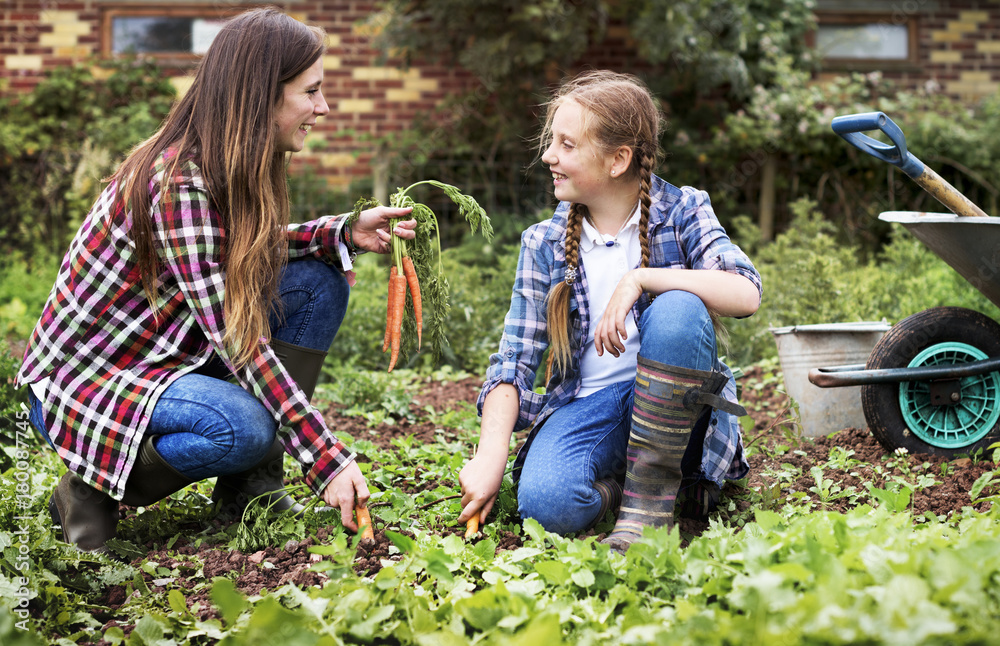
[645, 178]
[557, 313]
[574, 225]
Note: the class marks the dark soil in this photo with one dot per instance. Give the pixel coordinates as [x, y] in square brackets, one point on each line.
[771, 444]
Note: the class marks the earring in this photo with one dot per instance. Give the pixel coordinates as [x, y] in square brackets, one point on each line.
[613, 172]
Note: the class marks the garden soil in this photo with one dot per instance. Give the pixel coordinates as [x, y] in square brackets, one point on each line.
[273, 567]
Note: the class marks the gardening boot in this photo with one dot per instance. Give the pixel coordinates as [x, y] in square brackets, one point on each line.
[151, 478]
[88, 517]
[668, 403]
[233, 492]
[611, 498]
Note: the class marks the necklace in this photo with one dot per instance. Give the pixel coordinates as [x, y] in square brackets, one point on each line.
[613, 242]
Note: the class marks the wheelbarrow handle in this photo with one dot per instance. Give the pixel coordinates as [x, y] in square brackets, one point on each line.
[851, 126]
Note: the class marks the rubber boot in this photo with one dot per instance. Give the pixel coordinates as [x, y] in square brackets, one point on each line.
[233, 492]
[668, 403]
[151, 478]
[89, 517]
[611, 498]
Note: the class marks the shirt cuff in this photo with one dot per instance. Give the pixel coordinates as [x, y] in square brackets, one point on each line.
[328, 467]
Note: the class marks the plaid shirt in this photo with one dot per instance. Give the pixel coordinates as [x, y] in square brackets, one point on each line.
[683, 233]
[107, 359]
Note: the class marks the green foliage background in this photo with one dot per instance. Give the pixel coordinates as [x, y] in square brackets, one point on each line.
[735, 82]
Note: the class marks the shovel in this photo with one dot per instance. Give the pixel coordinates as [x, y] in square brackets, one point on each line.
[850, 128]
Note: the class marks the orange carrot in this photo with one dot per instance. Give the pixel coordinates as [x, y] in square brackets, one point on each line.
[388, 312]
[472, 526]
[365, 523]
[411, 280]
[397, 287]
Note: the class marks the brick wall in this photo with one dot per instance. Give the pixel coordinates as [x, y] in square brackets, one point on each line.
[366, 98]
[958, 43]
[959, 49]
[962, 48]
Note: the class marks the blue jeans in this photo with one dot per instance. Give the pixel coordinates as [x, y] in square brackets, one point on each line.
[205, 426]
[586, 440]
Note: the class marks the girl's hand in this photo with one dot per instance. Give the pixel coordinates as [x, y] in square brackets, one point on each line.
[342, 491]
[480, 479]
[371, 231]
[610, 334]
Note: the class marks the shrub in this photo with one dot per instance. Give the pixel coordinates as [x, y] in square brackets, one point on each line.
[59, 141]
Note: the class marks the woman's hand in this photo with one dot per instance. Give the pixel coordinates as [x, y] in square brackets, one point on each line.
[610, 334]
[480, 479]
[342, 491]
[371, 231]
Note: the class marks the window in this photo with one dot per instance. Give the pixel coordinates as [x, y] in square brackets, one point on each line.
[175, 31]
[858, 41]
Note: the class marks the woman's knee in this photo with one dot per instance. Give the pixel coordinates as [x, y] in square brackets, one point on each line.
[316, 281]
[226, 423]
[253, 429]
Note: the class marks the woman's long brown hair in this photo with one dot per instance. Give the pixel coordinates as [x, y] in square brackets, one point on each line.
[225, 123]
[619, 111]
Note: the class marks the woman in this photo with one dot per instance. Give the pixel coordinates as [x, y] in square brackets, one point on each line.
[622, 286]
[186, 274]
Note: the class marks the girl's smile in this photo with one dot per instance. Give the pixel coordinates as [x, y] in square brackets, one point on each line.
[578, 171]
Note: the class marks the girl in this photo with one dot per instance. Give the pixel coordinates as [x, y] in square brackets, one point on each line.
[622, 286]
[177, 284]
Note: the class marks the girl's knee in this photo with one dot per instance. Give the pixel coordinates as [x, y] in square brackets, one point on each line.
[676, 312]
[677, 329]
[556, 507]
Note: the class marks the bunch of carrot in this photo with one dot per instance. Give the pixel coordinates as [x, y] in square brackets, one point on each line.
[413, 270]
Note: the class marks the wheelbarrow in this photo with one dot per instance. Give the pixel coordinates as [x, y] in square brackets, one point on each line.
[932, 383]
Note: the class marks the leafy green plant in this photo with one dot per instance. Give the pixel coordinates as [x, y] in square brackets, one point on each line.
[58, 142]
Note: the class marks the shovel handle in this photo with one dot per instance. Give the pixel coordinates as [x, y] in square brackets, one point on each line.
[851, 127]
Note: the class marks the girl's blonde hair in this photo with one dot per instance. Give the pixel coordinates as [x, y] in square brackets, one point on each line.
[619, 110]
[225, 123]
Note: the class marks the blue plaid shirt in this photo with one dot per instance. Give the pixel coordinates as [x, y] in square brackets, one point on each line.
[683, 233]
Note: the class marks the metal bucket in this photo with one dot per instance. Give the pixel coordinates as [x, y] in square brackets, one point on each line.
[803, 347]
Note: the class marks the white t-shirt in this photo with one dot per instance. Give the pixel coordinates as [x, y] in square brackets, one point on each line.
[606, 259]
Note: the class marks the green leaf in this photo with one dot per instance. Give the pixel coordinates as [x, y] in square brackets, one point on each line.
[404, 543]
[583, 578]
[228, 600]
[151, 630]
[555, 572]
[981, 482]
[114, 635]
[177, 601]
[484, 609]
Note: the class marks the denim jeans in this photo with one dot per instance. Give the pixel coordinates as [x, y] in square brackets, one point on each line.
[206, 426]
[586, 440]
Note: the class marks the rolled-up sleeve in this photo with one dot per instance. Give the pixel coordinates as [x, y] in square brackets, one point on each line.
[704, 241]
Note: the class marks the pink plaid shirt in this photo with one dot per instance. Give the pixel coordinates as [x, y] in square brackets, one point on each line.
[107, 359]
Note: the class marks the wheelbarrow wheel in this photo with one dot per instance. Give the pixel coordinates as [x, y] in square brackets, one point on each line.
[903, 415]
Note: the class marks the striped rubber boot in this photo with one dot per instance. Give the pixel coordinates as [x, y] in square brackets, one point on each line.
[668, 402]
